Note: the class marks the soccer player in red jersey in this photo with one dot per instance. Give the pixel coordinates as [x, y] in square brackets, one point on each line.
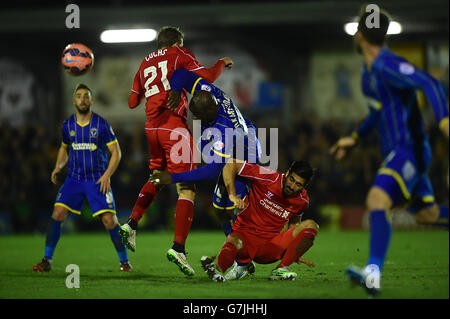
[165, 128]
[275, 199]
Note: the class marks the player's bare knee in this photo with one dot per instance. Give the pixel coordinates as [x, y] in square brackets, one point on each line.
[427, 215]
[109, 220]
[59, 213]
[378, 199]
[186, 190]
[236, 241]
[309, 223]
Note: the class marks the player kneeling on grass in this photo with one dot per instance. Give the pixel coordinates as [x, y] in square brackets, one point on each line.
[86, 136]
[275, 199]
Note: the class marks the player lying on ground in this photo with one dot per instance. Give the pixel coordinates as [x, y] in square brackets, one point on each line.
[390, 83]
[86, 136]
[274, 200]
[228, 133]
[152, 81]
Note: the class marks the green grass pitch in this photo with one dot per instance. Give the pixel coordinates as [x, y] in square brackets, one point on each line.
[417, 267]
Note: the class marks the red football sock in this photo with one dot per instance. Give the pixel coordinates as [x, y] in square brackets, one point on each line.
[145, 199]
[298, 247]
[226, 257]
[184, 213]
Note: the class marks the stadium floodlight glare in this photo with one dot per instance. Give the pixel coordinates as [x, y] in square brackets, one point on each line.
[128, 35]
[394, 28]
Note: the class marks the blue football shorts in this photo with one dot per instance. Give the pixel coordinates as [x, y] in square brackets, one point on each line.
[400, 177]
[221, 199]
[72, 194]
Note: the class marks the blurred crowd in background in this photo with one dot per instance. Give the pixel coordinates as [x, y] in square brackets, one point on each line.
[28, 155]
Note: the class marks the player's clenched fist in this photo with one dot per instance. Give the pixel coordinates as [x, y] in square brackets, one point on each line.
[228, 62]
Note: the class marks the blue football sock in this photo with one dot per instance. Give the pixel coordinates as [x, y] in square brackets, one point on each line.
[117, 241]
[380, 235]
[53, 234]
[443, 216]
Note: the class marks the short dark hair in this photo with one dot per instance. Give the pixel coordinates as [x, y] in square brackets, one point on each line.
[304, 170]
[82, 86]
[201, 101]
[375, 36]
[168, 36]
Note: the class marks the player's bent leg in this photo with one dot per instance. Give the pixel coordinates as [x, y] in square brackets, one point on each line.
[53, 234]
[428, 215]
[111, 224]
[301, 241]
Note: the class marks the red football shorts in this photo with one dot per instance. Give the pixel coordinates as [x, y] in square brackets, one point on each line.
[171, 144]
[263, 250]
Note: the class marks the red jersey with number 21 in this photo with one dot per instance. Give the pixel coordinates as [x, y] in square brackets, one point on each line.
[267, 210]
[153, 78]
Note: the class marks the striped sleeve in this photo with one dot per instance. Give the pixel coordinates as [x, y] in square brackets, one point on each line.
[368, 124]
[402, 74]
[65, 134]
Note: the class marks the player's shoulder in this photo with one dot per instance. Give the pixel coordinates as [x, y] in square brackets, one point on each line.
[388, 60]
[302, 199]
[181, 50]
[69, 120]
[97, 118]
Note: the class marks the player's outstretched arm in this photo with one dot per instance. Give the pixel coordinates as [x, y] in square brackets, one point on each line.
[61, 161]
[402, 74]
[230, 170]
[105, 179]
[211, 74]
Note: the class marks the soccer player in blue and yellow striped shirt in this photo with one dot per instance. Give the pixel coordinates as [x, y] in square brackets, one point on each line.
[389, 83]
[86, 137]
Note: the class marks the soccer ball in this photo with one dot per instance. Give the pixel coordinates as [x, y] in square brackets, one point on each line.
[77, 59]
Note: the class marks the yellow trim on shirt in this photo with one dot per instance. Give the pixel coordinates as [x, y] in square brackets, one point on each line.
[64, 145]
[195, 84]
[83, 125]
[398, 178]
[112, 142]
